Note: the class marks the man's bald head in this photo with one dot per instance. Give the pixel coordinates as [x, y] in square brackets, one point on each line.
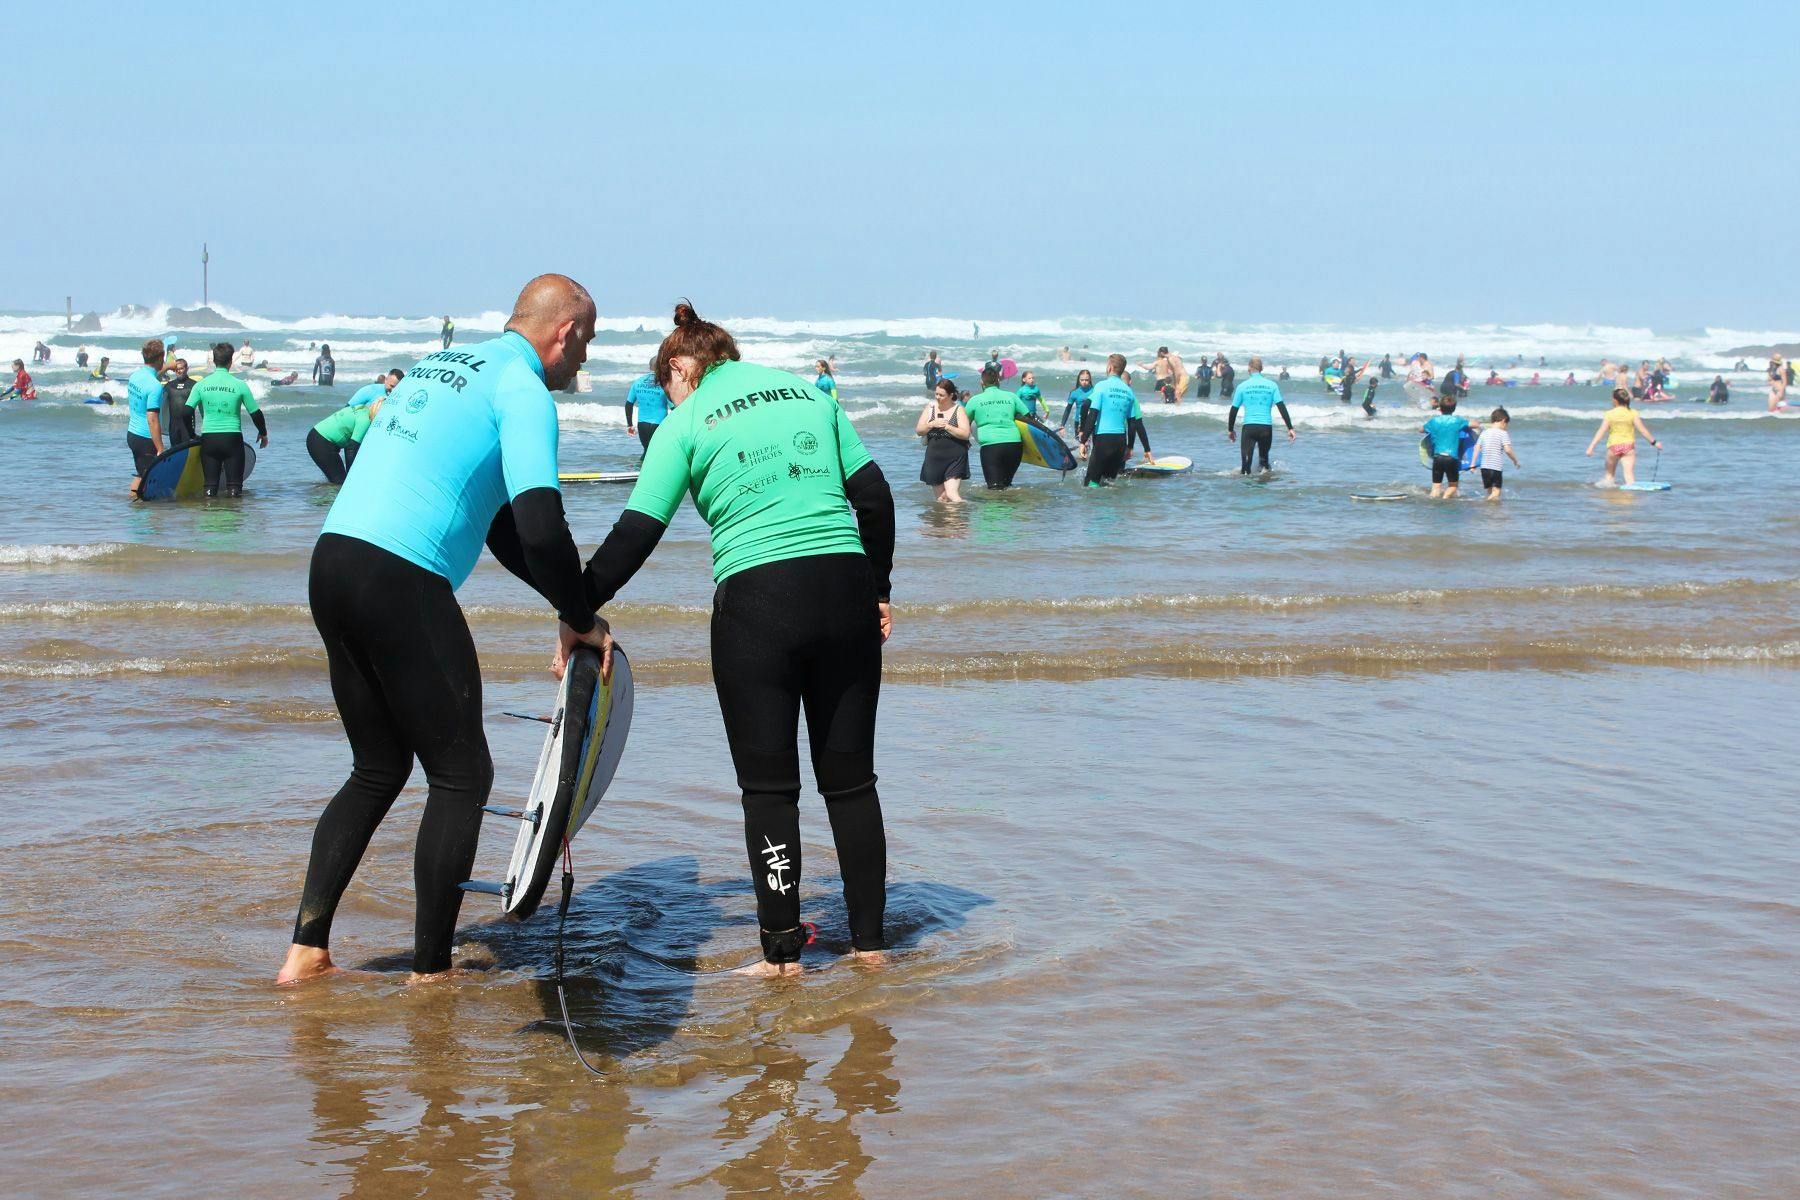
[556, 315]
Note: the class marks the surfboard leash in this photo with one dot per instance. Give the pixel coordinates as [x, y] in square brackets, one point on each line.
[562, 999]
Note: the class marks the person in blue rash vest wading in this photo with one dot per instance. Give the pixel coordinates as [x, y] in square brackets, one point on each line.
[462, 452]
[1258, 396]
[646, 407]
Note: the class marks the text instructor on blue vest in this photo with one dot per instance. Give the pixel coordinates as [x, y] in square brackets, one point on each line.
[463, 453]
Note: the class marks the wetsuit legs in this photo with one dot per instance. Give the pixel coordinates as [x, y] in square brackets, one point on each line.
[222, 458]
[406, 682]
[1000, 462]
[802, 634]
[325, 456]
[1254, 440]
[143, 453]
[1106, 457]
[644, 434]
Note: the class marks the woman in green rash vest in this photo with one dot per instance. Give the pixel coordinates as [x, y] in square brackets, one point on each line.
[342, 432]
[995, 413]
[803, 546]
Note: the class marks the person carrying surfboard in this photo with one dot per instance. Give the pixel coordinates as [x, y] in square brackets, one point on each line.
[464, 453]
[802, 524]
[995, 413]
[1446, 431]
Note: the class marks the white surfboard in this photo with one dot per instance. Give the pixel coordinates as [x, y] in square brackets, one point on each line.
[581, 753]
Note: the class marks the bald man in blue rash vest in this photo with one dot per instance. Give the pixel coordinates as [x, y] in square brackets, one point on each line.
[462, 453]
[1257, 397]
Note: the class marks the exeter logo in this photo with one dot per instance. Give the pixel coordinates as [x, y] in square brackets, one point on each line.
[805, 442]
[418, 400]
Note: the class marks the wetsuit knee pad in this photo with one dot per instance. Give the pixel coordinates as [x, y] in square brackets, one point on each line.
[784, 946]
[844, 776]
[768, 772]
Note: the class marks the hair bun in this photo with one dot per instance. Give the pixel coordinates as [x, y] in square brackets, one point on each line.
[685, 314]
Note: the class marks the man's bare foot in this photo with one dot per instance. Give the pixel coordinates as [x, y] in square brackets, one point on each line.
[437, 976]
[769, 970]
[306, 962]
[870, 958]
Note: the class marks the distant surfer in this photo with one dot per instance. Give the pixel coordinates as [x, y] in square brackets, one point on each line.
[21, 387]
[221, 399]
[646, 407]
[1719, 392]
[447, 334]
[803, 547]
[945, 427]
[1387, 366]
[324, 368]
[465, 454]
[1227, 377]
[1368, 402]
[994, 362]
[995, 413]
[99, 372]
[1778, 382]
[1203, 379]
[144, 412]
[1116, 422]
[934, 371]
[81, 357]
[1620, 427]
[40, 353]
[1456, 381]
[1421, 380]
[246, 357]
[1258, 397]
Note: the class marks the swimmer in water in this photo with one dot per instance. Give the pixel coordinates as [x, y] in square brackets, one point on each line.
[1719, 392]
[1117, 422]
[470, 457]
[21, 387]
[221, 399]
[646, 407]
[1620, 427]
[1258, 398]
[144, 412]
[802, 556]
[945, 427]
[994, 413]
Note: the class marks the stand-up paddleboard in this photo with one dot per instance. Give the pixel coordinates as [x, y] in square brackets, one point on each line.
[581, 753]
[597, 477]
[1378, 495]
[1652, 486]
[1168, 464]
[1008, 368]
[176, 473]
[1043, 448]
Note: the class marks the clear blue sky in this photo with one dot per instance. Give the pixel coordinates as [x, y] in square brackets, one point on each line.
[1573, 162]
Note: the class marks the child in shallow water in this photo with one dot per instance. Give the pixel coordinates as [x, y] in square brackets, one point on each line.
[1492, 449]
[1033, 398]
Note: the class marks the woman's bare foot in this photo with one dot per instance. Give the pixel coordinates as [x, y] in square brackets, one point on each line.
[870, 958]
[769, 970]
[306, 962]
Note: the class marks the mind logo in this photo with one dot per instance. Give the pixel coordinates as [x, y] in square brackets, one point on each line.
[805, 442]
[418, 400]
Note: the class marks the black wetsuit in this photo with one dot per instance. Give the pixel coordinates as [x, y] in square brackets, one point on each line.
[324, 371]
[1387, 367]
[1203, 378]
[179, 418]
[1368, 404]
[1000, 462]
[1227, 381]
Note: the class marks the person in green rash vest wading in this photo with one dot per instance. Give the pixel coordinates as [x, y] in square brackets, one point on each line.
[803, 547]
[340, 434]
[221, 399]
[994, 412]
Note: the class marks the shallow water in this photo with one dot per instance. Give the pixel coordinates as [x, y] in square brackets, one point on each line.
[1244, 841]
